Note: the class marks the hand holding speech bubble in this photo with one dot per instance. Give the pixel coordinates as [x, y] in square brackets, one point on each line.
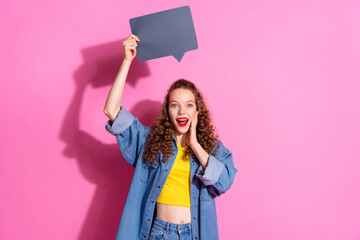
[166, 33]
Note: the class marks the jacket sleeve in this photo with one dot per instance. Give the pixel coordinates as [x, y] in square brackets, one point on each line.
[219, 173]
[130, 135]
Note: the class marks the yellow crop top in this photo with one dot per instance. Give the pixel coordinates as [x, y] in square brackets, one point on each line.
[176, 190]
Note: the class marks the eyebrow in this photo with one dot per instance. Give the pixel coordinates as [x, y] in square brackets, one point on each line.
[186, 101]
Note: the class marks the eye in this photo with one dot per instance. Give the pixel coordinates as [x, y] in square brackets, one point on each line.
[189, 105]
[173, 105]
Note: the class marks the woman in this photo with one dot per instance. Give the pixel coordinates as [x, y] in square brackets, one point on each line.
[180, 165]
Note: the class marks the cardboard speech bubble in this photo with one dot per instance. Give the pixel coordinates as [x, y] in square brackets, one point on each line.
[166, 33]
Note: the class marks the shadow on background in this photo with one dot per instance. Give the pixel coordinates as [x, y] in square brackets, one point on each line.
[102, 164]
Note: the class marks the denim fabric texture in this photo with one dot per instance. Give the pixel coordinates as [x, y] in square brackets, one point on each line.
[162, 230]
[148, 180]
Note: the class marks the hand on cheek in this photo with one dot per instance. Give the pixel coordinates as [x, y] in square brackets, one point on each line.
[191, 139]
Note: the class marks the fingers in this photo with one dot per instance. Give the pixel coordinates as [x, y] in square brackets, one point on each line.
[196, 117]
[130, 42]
[195, 120]
[132, 36]
[133, 50]
[135, 37]
[129, 45]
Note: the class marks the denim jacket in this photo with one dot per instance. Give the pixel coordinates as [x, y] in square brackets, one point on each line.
[149, 178]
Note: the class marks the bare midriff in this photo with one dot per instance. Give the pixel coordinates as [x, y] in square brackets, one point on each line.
[173, 214]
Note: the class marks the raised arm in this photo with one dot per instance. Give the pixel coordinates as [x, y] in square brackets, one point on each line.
[113, 101]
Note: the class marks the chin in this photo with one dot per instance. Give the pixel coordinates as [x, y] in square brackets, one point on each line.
[182, 131]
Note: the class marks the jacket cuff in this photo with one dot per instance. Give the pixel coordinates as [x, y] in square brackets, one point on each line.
[122, 121]
[211, 174]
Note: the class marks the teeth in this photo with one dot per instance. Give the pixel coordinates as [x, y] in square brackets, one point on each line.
[181, 120]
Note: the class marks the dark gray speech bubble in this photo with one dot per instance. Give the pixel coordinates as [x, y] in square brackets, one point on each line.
[165, 33]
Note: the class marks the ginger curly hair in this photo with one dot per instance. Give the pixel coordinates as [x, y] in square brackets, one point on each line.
[160, 137]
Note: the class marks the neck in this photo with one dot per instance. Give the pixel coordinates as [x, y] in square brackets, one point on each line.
[179, 137]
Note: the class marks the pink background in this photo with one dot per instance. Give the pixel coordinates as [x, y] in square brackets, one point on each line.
[281, 79]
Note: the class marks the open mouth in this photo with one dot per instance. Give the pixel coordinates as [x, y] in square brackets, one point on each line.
[182, 121]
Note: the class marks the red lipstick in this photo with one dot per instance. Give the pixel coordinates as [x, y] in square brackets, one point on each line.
[182, 121]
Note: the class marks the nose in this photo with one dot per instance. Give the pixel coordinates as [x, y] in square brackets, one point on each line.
[181, 111]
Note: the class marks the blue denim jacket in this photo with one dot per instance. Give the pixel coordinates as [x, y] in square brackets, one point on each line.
[149, 178]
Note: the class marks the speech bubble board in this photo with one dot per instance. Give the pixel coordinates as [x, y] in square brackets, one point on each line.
[166, 33]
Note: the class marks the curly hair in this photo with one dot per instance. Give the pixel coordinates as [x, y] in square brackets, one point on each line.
[160, 137]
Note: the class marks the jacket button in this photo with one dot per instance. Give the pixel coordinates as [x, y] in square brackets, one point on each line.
[193, 160]
[194, 217]
[158, 186]
[144, 236]
[152, 201]
[194, 197]
[166, 170]
[195, 237]
[148, 219]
